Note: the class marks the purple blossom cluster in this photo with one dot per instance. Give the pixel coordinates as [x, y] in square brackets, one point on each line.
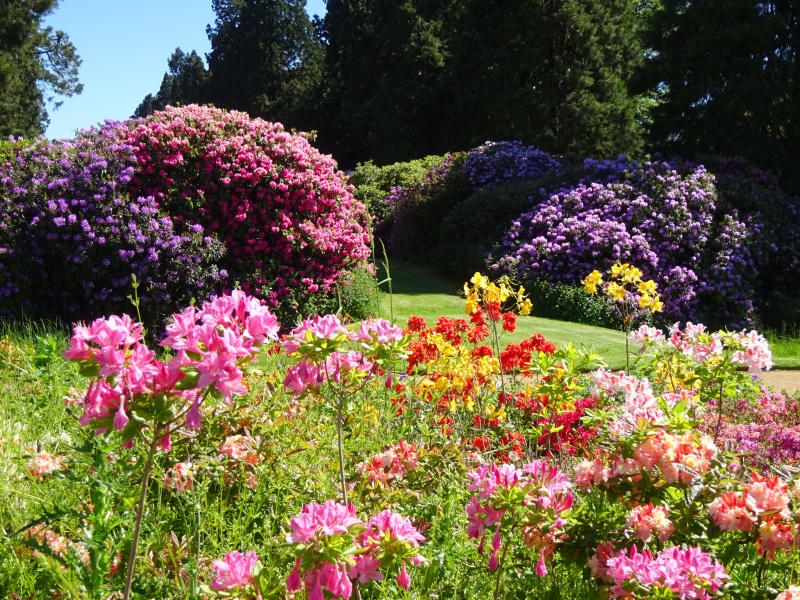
[659, 216]
[764, 431]
[498, 162]
[71, 236]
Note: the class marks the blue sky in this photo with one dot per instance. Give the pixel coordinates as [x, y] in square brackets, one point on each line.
[124, 46]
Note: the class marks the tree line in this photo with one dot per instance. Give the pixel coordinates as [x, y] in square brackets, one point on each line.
[392, 80]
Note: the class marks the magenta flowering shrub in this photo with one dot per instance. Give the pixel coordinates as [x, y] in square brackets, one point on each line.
[212, 345]
[336, 550]
[673, 573]
[658, 215]
[764, 430]
[71, 236]
[529, 502]
[285, 215]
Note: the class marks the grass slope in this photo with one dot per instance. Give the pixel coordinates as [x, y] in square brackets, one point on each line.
[419, 289]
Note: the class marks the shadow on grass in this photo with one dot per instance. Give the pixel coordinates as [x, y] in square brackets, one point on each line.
[415, 279]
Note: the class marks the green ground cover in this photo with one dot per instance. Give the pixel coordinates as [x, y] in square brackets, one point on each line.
[419, 289]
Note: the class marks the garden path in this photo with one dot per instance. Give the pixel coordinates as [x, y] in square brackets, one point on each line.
[782, 380]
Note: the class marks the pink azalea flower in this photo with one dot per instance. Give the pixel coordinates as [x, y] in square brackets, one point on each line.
[235, 570]
[379, 330]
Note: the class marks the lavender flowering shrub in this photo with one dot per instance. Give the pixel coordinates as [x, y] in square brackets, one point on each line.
[71, 236]
[756, 195]
[660, 216]
[500, 162]
[418, 210]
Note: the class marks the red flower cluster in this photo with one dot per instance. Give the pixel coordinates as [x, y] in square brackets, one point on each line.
[518, 356]
[570, 436]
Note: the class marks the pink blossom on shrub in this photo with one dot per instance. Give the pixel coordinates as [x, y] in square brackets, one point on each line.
[325, 519]
[392, 464]
[687, 573]
[379, 330]
[285, 214]
[180, 478]
[234, 571]
[43, 463]
[648, 520]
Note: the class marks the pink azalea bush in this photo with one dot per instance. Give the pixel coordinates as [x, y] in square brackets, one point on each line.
[236, 570]
[531, 499]
[678, 572]
[334, 549]
[212, 345]
[319, 343]
[285, 215]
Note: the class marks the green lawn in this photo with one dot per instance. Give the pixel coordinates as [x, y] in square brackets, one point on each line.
[418, 289]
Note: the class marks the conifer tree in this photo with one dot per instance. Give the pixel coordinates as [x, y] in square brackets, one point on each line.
[37, 64]
[265, 59]
[552, 73]
[728, 76]
[184, 83]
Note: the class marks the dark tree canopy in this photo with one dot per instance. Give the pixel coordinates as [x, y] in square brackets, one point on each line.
[408, 78]
[552, 73]
[386, 72]
[728, 74]
[36, 65]
[265, 59]
[184, 83]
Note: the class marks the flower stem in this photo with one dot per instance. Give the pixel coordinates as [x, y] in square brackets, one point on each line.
[148, 467]
[341, 450]
[500, 566]
[719, 414]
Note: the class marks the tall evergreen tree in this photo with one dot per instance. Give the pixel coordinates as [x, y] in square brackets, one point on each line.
[184, 83]
[265, 59]
[386, 65]
[552, 73]
[727, 71]
[36, 65]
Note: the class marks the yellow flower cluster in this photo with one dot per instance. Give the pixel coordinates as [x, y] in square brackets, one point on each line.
[624, 275]
[482, 291]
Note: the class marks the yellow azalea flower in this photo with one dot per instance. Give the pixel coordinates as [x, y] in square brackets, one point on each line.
[470, 403]
[526, 307]
[619, 269]
[453, 406]
[616, 291]
[592, 280]
[647, 287]
[645, 301]
[632, 275]
[471, 305]
[479, 281]
[657, 305]
[504, 292]
[491, 293]
[520, 295]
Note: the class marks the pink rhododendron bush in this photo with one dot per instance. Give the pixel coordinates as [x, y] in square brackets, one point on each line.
[285, 215]
[193, 201]
[374, 461]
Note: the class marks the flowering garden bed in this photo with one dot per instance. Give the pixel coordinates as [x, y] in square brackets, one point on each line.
[381, 462]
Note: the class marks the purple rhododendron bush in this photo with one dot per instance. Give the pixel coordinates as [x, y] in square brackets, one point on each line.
[721, 243]
[710, 259]
[190, 200]
[375, 461]
[71, 236]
